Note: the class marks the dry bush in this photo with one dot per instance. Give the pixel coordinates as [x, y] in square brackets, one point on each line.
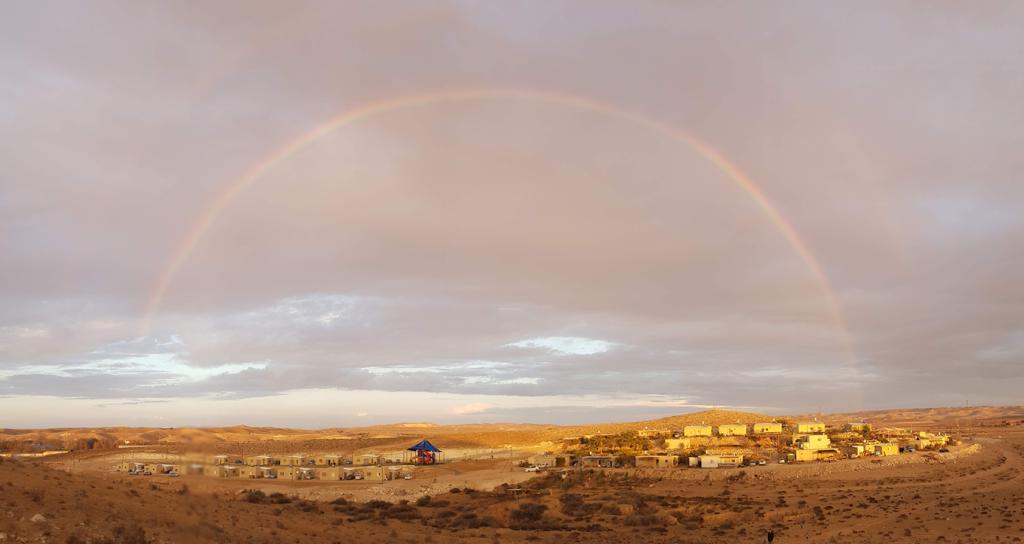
[530, 517]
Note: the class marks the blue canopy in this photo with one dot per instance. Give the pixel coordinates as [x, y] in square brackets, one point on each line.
[424, 445]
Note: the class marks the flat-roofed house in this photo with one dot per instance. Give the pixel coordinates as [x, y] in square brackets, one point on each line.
[767, 428]
[732, 429]
[806, 455]
[814, 442]
[259, 461]
[887, 449]
[328, 460]
[365, 459]
[810, 427]
[250, 472]
[551, 459]
[296, 460]
[657, 461]
[697, 430]
[721, 460]
[329, 473]
[597, 461]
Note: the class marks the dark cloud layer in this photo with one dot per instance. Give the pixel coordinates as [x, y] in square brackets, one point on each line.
[514, 248]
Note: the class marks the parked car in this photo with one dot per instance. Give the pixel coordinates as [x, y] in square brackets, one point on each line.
[532, 468]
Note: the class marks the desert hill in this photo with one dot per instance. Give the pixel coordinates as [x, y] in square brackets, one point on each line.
[477, 435]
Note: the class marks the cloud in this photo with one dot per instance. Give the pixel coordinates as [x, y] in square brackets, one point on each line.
[566, 345]
[469, 409]
[511, 251]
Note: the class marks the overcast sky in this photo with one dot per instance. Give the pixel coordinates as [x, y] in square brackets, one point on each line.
[503, 256]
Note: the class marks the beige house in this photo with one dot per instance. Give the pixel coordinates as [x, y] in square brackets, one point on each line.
[552, 460]
[365, 459]
[259, 461]
[721, 460]
[767, 428]
[296, 460]
[329, 473]
[597, 461]
[732, 430]
[697, 430]
[810, 427]
[814, 442]
[858, 427]
[887, 449]
[657, 461]
[328, 460]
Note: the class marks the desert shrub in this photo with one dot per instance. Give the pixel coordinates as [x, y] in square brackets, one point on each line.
[36, 494]
[640, 520]
[403, 512]
[378, 504]
[455, 490]
[573, 505]
[611, 509]
[340, 500]
[73, 539]
[125, 535]
[254, 496]
[530, 516]
[423, 501]
[279, 498]
[738, 477]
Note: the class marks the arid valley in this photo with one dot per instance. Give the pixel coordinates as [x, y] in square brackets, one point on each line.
[971, 492]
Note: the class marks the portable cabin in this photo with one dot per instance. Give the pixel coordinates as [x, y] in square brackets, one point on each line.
[657, 461]
[887, 449]
[328, 460]
[814, 442]
[721, 460]
[597, 461]
[732, 430]
[365, 459]
[260, 461]
[767, 428]
[697, 430]
[810, 427]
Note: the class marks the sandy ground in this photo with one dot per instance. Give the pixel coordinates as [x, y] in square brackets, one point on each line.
[973, 495]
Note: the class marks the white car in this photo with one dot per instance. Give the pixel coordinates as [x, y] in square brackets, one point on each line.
[533, 468]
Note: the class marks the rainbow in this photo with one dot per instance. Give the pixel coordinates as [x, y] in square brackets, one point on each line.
[230, 191]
